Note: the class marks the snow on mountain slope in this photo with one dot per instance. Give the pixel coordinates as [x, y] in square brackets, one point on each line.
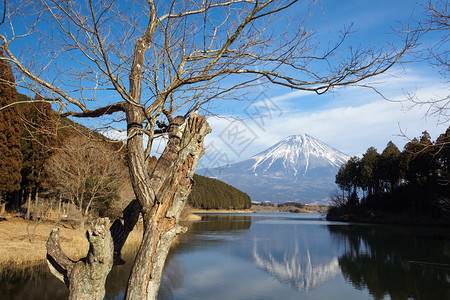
[298, 168]
[295, 155]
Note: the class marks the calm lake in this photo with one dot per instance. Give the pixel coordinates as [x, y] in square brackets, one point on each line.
[281, 256]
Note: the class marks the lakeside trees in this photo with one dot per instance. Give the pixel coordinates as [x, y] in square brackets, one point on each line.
[415, 181]
[39, 141]
[149, 67]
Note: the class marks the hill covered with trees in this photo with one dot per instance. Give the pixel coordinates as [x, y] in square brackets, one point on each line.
[409, 186]
[61, 162]
[209, 193]
[47, 161]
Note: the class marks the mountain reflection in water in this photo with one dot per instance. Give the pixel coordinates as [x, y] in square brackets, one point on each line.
[291, 256]
[298, 256]
[298, 271]
[278, 256]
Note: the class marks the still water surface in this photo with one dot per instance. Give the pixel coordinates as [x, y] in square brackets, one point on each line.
[282, 256]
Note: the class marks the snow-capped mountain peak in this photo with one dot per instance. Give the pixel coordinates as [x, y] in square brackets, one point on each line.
[295, 155]
[298, 168]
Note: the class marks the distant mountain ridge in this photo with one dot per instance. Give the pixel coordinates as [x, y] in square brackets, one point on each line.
[298, 168]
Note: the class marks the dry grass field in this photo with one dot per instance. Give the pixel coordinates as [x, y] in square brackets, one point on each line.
[19, 248]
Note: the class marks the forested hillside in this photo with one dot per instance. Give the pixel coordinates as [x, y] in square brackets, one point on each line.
[51, 164]
[65, 162]
[209, 193]
[409, 186]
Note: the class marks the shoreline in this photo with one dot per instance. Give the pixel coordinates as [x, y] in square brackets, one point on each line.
[263, 208]
[19, 249]
[390, 219]
[222, 211]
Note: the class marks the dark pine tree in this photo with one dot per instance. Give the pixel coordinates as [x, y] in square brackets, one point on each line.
[39, 140]
[10, 134]
[389, 167]
[369, 172]
[420, 160]
[443, 156]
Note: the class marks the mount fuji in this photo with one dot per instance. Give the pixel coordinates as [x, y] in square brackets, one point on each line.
[298, 168]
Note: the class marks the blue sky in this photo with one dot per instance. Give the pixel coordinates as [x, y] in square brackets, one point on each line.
[350, 119]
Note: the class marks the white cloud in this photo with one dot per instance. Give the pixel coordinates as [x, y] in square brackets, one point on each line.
[351, 122]
[121, 135]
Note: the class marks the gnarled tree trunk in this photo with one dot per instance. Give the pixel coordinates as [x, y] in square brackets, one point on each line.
[85, 278]
[171, 181]
[161, 193]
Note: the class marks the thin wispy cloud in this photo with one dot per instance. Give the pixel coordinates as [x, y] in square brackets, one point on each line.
[351, 120]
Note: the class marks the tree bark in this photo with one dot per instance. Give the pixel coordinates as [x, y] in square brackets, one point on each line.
[85, 278]
[171, 180]
[28, 214]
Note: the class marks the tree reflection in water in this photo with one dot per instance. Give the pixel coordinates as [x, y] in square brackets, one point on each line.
[304, 254]
[404, 263]
[30, 283]
[118, 277]
[221, 223]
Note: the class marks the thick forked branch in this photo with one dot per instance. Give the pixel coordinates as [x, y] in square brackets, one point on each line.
[172, 187]
[60, 265]
[85, 278]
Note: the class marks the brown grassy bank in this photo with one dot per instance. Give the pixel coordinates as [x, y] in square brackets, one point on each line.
[18, 248]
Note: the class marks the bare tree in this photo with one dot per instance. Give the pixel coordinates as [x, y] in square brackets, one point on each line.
[86, 172]
[437, 25]
[152, 65]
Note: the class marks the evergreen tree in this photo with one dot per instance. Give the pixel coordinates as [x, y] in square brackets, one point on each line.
[420, 162]
[10, 133]
[369, 171]
[39, 140]
[389, 167]
[209, 193]
[443, 181]
[443, 156]
[348, 177]
[415, 181]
